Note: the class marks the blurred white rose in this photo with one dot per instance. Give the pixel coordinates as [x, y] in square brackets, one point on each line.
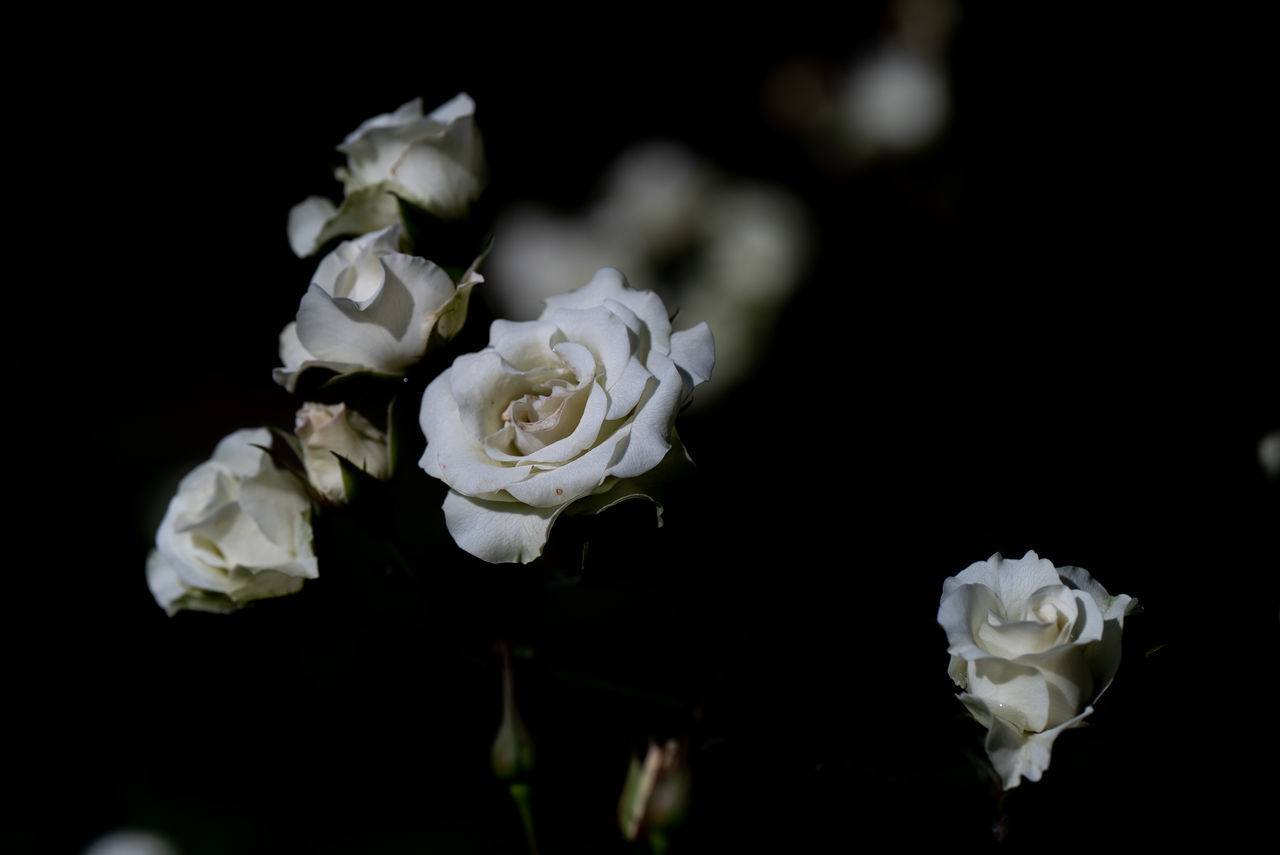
[1269, 453]
[720, 249]
[239, 529]
[570, 405]
[326, 430]
[131, 842]
[434, 161]
[1033, 647]
[893, 100]
[372, 308]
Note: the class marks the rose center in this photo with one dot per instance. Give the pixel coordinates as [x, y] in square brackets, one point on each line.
[545, 415]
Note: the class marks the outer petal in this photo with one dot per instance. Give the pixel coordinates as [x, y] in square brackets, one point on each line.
[609, 285]
[333, 330]
[443, 179]
[365, 209]
[239, 451]
[1016, 693]
[307, 222]
[1013, 581]
[297, 360]
[1113, 607]
[174, 595]
[962, 613]
[498, 532]
[1017, 754]
[694, 352]
[457, 107]
[453, 453]
[651, 428]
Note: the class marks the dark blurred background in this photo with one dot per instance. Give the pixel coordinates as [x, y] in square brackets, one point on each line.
[1041, 328]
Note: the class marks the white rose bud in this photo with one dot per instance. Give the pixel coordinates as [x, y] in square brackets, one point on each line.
[1033, 647]
[239, 529]
[326, 430]
[434, 161]
[371, 308]
[571, 405]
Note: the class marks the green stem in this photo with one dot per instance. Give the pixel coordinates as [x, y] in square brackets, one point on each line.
[520, 794]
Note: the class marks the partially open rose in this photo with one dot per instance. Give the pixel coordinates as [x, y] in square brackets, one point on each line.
[571, 405]
[239, 529]
[372, 308]
[1033, 647]
[434, 161]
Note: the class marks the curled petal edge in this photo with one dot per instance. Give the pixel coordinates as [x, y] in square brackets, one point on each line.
[1016, 754]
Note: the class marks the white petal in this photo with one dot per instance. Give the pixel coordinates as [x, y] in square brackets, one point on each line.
[1018, 754]
[585, 434]
[173, 594]
[559, 485]
[307, 221]
[651, 429]
[694, 351]
[1014, 581]
[453, 453]
[600, 331]
[498, 532]
[962, 613]
[1017, 693]
[402, 115]
[441, 180]
[1113, 607]
[457, 107]
[626, 390]
[333, 331]
[241, 451]
[281, 511]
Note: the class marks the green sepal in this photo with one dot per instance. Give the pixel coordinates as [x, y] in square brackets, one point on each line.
[355, 481]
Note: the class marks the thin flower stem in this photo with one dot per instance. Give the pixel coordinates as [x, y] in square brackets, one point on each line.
[520, 795]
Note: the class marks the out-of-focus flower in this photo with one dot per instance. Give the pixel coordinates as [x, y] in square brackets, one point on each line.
[893, 100]
[434, 161]
[1033, 647]
[512, 754]
[722, 250]
[571, 405]
[656, 793]
[239, 529]
[1269, 453]
[131, 842]
[328, 430]
[372, 308]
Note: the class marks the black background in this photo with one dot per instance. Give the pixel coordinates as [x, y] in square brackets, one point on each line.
[1046, 333]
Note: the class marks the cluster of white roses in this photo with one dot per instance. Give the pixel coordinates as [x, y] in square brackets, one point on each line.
[572, 407]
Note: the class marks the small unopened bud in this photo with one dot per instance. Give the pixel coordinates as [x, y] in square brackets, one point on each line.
[512, 754]
[656, 794]
[329, 429]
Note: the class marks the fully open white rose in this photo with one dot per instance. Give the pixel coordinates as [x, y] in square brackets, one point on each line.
[372, 308]
[566, 406]
[327, 430]
[434, 161]
[239, 529]
[1033, 647]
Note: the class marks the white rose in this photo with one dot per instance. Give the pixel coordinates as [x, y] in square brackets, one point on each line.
[239, 529]
[372, 308]
[327, 430]
[1033, 647]
[569, 405]
[434, 161]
